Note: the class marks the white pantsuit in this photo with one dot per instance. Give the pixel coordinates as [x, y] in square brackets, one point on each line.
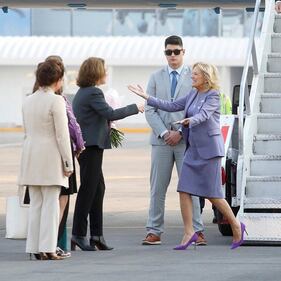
[42, 233]
[46, 154]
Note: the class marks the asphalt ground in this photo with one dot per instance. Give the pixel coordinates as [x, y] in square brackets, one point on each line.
[126, 172]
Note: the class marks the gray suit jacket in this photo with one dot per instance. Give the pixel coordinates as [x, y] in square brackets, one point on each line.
[159, 86]
[204, 128]
[94, 115]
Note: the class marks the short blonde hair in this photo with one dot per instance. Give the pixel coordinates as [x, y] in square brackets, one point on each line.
[210, 72]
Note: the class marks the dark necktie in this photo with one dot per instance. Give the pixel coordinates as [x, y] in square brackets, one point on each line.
[174, 84]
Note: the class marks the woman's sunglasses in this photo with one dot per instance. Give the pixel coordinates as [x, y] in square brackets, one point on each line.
[169, 52]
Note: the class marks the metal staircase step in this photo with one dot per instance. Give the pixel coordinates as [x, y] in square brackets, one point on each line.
[269, 123]
[271, 95]
[265, 165]
[262, 226]
[263, 186]
[271, 102]
[262, 203]
[267, 144]
[267, 137]
[274, 63]
[277, 24]
[276, 43]
[264, 179]
[272, 82]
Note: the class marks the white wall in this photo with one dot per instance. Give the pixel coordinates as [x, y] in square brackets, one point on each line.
[225, 80]
[15, 81]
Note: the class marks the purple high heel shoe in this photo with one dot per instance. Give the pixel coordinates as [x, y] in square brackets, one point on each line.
[235, 245]
[188, 243]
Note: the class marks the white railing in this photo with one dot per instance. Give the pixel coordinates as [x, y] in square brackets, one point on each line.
[244, 91]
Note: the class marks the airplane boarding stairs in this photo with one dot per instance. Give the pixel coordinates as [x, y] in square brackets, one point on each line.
[260, 201]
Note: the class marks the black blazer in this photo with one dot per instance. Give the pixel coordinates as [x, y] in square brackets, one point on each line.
[93, 115]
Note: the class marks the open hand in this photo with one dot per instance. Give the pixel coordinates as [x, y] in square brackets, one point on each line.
[138, 90]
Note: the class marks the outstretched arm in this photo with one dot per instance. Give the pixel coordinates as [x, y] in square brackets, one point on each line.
[211, 104]
[177, 105]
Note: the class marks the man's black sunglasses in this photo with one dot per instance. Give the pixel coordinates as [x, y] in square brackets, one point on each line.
[169, 52]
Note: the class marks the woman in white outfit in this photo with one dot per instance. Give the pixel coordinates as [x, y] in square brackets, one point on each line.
[46, 160]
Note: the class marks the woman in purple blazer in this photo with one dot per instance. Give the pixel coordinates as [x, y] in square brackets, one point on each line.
[201, 169]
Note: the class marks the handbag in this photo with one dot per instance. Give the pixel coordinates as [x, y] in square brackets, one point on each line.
[17, 215]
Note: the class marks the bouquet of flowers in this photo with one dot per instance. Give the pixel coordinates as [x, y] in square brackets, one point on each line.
[116, 136]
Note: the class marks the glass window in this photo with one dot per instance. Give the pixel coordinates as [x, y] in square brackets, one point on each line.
[122, 22]
[15, 23]
[133, 23]
[92, 22]
[51, 22]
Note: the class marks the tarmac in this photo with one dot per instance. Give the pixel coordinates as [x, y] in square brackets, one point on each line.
[126, 172]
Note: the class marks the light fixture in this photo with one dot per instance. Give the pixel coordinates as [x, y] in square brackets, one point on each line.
[77, 5]
[167, 5]
[217, 10]
[5, 9]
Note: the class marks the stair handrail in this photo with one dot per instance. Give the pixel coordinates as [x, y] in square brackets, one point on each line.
[244, 90]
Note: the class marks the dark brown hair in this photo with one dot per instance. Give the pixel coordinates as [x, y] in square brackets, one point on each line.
[90, 72]
[48, 73]
[173, 40]
[58, 60]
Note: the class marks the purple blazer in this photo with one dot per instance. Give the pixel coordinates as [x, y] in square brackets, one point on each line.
[74, 128]
[203, 131]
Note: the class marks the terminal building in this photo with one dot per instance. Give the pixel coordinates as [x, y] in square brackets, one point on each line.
[132, 45]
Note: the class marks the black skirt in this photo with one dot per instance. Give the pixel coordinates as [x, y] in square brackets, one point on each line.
[72, 183]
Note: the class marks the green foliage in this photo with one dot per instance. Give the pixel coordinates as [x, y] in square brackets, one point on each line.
[116, 137]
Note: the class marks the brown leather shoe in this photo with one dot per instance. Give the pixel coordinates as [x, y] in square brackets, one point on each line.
[151, 239]
[201, 241]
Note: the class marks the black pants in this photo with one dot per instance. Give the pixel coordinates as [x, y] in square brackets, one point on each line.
[91, 193]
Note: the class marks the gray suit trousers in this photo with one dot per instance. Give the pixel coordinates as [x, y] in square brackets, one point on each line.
[163, 158]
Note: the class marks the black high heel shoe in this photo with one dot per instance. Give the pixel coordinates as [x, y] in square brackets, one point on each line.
[99, 243]
[81, 242]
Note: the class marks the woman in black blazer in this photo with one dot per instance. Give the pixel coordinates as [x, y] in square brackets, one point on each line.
[278, 6]
[93, 115]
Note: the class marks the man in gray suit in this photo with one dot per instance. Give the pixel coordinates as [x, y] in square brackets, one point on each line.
[168, 147]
